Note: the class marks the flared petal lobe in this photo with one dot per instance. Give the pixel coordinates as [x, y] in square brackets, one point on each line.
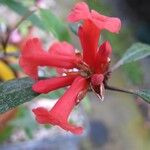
[89, 37]
[48, 85]
[89, 32]
[102, 58]
[42, 115]
[80, 11]
[28, 66]
[32, 56]
[59, 114]
[111, 24]
[62, 48]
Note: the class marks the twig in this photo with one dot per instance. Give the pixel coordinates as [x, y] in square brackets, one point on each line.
[119, 89]
[2, 55]
[15, 27]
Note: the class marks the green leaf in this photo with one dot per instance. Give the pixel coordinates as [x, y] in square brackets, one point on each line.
[54, 25]
[20, 9]
[134, 72]
[144, 94]
[136, 52]
[5, 133]
[15, 92]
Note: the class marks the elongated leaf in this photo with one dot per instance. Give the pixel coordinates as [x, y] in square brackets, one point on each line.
[54, 25]
[136, 52]
[20, 9]
[15, 92]
[144, 94]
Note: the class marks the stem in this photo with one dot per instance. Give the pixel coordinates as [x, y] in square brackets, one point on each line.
[15, 27]
[16, 54]
[119, 89]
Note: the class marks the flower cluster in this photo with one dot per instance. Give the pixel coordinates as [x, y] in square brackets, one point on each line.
[91, 65]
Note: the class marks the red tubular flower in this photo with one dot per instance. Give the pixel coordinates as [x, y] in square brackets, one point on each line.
[89, 36]
[62, 48]
[83, 71]
[47, 85]
[59, 114]
[32, 56]
[90, 30]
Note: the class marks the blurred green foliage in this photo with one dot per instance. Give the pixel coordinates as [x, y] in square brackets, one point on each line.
[20, 9]
[24, 121]
[5, 133]
[54, 25]
[134, 72]
[44, 19]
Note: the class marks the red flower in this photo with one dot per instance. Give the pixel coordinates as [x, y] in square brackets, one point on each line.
[53, 83]
[89, 32]
[91, 67]
[33, 55]
[59, 114]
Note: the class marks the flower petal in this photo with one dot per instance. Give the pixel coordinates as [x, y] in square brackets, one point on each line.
[32, 56]
[104, 51]
[47, 85]
[102, 57]
[68, 100]
[80, 11]
[72, 128]
[62, 48]
[31, 47]
[42, 115]
[111, 24]
[59, 114]
[89, 37]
